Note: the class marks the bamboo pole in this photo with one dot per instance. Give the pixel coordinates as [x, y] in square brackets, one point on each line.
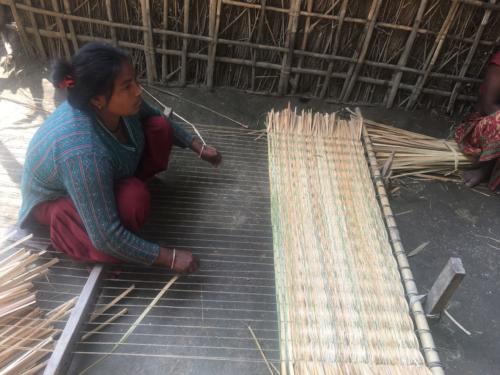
[303, 46]
[47, 33]
[355, 20]
[22, 33]
[254, 6]
[436, 49]
[38, 39]
[360, 54]
[185, 29]
[266, 65]
[336, 44]
[105, 308]
[214, 21]
[72, 32]
[109, 13]
[260, 29]
[293, 23]
[423, 330]
[104, 324]
[470, 55]
[403, 59]
[164, 24]
[60, 26]
[148, 41]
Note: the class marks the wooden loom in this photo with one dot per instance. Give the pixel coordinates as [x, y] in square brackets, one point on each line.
[241, 149]
[341, 299]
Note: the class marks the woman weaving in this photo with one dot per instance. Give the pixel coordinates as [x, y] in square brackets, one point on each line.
[86, 167]
[479, 134]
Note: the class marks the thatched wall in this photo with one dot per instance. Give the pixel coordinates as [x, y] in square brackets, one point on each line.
[390, 52]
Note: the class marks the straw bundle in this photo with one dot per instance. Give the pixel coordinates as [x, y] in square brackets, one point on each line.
[408, 153]
[26, 334]
[341, 302]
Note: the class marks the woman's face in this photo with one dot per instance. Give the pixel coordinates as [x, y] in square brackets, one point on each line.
[126, 97]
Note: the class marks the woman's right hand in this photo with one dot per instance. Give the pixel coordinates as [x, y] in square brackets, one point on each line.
[184, 261]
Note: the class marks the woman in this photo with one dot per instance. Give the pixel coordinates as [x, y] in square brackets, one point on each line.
[479, 134]
[86, 167]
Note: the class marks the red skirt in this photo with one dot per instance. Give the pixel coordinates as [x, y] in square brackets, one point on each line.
[67, 232]
[479, 136]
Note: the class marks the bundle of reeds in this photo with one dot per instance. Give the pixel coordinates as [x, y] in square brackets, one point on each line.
[404, 153]
[27, 334]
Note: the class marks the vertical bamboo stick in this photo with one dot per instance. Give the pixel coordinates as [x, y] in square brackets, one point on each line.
[38, 39]
[260, 29]
[436, 49]
[360, 54]
[109, 13]
[62, 31]
[303, 46]
[470, 55]
[403, 59]
[185, 29]
[20, 27]
[336, 43]
[72, 33]
[164, 24]
[293, 23]
[148, 41]
[214, 21]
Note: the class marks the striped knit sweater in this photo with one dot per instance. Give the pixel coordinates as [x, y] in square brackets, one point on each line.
[71, 154]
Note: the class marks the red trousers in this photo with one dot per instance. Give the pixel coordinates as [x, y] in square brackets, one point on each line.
[67, 232]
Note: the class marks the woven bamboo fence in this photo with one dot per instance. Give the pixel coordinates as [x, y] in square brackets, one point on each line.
[409, 53]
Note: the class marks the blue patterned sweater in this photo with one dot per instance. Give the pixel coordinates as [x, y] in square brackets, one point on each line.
[71, 154]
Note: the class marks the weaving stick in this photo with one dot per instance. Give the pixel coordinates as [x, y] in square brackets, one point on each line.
[135, 324]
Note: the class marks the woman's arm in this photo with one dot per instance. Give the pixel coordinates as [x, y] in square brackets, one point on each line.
[182, 138]
[89, 181]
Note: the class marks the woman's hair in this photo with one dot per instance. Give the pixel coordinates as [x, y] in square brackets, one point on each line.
[92, 71]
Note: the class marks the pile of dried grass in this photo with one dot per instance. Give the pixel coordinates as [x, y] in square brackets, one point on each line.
[404, 153]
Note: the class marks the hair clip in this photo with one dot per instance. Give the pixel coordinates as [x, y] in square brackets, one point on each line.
[67, 82]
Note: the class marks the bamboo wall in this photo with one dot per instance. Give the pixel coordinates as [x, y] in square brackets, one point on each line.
[407, 53]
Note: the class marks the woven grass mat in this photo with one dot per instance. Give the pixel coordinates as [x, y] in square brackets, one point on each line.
[341, 302]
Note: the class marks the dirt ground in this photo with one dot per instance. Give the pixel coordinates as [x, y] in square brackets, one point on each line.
[453, 220]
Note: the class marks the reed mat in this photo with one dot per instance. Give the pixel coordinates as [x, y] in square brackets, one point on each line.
[341, 301]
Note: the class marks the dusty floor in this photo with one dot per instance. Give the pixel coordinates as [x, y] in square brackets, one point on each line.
[454, 220]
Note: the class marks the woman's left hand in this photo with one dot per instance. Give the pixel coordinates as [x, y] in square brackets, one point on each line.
[207, 153]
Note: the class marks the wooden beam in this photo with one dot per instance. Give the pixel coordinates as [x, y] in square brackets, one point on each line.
[60, 26]
[67, 8]
[291, 35]
[214, 22]
[20, 27]
[470, 55]
[61, 357]
[38, 39]
[445, 285]
[433, 55]
[109, 13]
[360, 54]
[148, 41]
[403, 59]
[185, 30]
[336, 44]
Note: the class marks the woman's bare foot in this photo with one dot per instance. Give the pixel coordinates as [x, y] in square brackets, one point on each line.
[474, 177]
[206, 153]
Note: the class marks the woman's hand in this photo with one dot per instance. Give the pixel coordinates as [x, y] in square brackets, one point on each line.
[206, 153]
[179, 261]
